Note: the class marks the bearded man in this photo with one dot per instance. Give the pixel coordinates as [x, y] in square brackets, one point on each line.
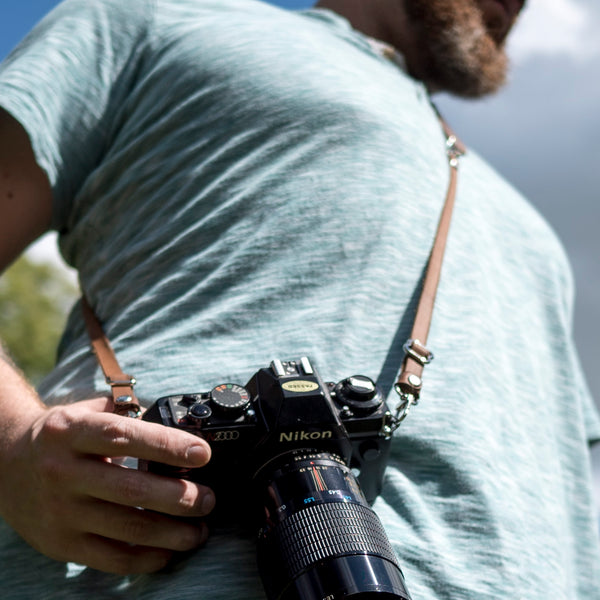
[234, 183]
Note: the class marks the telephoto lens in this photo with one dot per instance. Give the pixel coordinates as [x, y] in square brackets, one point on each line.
[321, 540]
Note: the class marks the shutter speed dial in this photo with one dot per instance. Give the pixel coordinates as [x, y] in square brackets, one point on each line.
[230, 399]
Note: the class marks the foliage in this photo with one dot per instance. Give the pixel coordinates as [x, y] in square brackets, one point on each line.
[34, 302]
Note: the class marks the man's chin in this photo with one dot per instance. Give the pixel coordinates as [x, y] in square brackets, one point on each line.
[458, 53]
[467, 83]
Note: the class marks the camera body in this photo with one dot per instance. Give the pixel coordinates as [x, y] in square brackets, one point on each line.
[282, 408]
[309, 457]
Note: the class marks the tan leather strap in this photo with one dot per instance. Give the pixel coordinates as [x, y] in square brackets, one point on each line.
[121, 384]
[417, 355]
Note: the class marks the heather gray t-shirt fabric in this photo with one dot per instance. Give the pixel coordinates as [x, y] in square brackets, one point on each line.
[235, 183]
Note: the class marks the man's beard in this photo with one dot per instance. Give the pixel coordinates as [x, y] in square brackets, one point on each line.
[459, 53]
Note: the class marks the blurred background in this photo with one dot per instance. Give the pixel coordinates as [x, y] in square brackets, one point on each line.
[542, 132]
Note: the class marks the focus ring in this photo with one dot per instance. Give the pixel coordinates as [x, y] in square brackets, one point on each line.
[324, 531]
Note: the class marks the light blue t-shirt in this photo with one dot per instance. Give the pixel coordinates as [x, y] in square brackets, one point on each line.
[235, 183]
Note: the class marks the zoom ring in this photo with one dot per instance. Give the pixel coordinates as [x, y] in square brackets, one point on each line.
[325, 531]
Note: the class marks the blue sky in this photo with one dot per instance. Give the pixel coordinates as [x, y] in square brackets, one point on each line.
[541, 132]
[17, 17]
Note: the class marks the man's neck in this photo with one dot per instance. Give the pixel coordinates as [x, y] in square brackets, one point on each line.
[384, 20]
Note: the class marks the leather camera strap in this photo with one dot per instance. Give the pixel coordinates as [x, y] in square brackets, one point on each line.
[121, 385]
[416, 356]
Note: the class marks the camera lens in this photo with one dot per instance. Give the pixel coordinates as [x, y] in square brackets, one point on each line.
[321, 539]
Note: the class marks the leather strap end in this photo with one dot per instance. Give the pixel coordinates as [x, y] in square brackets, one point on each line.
[410, 381]
[124, 400]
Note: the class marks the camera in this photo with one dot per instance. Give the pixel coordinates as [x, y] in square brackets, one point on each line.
[310, 456]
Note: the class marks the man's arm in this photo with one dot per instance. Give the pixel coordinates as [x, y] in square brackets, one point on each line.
[25, 195]
[59, 488]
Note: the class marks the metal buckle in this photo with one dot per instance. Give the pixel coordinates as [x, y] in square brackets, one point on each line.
[407, 401]
[121, 382]
[126, 406]
[413, 349]
[454, 153]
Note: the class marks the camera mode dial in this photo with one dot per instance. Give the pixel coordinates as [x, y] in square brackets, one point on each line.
[230, 399]
[359, 393]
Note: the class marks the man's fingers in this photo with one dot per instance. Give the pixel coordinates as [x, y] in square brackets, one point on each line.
[106, 434]
[139, 527]
[129, 487]
[119, 558]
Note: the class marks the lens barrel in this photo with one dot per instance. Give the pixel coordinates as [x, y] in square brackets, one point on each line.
[321, 539]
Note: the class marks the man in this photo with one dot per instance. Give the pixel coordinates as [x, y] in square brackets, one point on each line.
[235, 183]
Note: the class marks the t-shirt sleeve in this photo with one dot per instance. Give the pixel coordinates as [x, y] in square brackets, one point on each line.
[66, 83]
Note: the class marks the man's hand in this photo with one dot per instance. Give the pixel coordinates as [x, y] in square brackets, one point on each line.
[62, 493]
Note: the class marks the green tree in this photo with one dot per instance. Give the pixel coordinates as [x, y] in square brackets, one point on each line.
[34, 302]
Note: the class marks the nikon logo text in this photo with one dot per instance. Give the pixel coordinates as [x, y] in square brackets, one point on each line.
[300, 386]
[304, 436]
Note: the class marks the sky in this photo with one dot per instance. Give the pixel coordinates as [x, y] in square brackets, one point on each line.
[542, 132]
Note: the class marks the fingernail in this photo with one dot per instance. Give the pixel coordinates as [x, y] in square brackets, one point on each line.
[197, 455]
[208, 502]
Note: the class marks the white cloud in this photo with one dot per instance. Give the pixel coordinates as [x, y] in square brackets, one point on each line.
[555, 27]
[45, 250]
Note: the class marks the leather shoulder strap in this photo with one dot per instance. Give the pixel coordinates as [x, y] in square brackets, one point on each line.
[417, 356]
[121, 384]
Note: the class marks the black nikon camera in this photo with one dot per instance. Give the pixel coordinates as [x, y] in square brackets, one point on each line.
[312, 456]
